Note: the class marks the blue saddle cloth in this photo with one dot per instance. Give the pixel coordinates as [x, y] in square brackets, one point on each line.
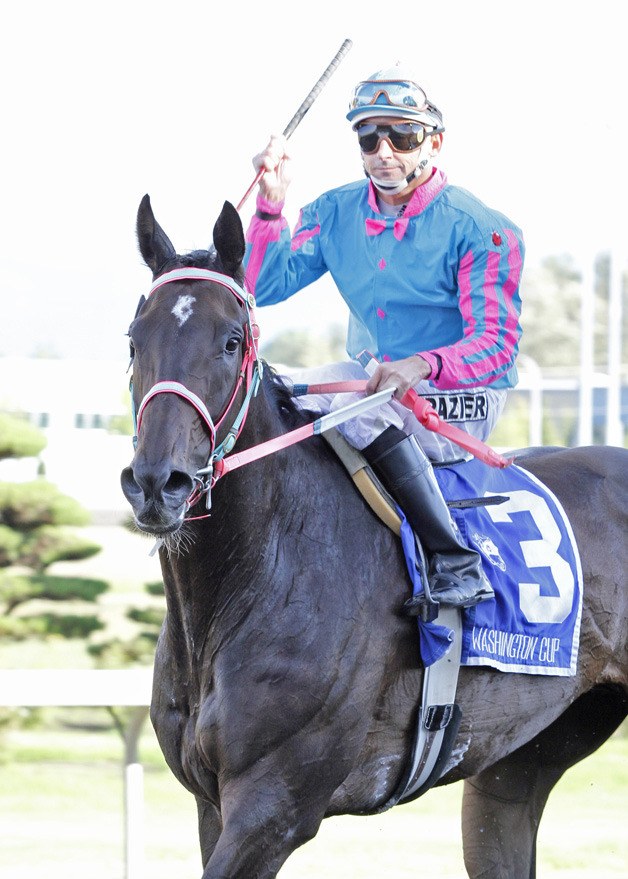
[531, 559]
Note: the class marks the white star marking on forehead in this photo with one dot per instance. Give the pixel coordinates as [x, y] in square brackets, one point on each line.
[183, 308]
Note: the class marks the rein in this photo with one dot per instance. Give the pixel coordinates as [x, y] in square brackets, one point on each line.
[425, 414]
[423, 411]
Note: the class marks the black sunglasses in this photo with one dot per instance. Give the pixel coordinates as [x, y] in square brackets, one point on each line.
[404, 137]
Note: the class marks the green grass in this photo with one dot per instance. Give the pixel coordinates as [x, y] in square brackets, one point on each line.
[61, 810]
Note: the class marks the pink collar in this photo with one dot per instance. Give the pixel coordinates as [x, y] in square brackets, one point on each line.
[422, 196]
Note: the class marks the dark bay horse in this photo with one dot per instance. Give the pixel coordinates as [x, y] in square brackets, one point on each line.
[286, 678]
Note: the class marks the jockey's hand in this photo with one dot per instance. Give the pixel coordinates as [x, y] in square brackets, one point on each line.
[276, 163]
[401, 374]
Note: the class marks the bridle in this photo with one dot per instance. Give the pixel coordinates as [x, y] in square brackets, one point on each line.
[249, 377]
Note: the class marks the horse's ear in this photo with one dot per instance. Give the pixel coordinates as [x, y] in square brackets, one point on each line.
[155, 246]
[229, 239]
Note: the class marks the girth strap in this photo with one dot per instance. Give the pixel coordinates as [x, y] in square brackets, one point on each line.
[439, 716]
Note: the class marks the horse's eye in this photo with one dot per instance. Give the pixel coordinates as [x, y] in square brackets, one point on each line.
[232, 345]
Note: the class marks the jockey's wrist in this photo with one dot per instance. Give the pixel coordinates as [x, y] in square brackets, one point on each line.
[267, 209]
[435, 363]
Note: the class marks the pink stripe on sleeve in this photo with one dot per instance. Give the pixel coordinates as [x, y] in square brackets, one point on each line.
[460, 366]
[300, 239]
[260, 234]
[510, 332]
[464, 285]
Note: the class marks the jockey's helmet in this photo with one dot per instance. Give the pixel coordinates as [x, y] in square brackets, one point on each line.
[393, 92]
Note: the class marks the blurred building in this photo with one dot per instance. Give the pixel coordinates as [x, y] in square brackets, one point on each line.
[76, 403]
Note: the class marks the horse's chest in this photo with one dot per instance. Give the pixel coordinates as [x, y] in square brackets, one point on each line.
[179, 735]
[178, 701]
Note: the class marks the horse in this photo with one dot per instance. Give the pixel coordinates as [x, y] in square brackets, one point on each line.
[286, 678]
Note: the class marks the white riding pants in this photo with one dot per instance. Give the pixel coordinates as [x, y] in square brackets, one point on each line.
[474, 410]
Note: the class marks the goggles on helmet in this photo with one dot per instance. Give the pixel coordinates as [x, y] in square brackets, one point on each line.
[396, 93]
[393, 96]
[403, 137]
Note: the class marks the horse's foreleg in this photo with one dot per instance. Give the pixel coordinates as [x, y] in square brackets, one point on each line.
[209, 827]
[501, 811]
[263, 823]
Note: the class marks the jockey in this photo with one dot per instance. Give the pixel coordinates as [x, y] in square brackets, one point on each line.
[431, 279]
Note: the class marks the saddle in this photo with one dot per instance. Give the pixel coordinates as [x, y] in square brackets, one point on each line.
[365, 480]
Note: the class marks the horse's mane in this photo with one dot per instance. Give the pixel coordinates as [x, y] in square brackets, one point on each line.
[280, 395]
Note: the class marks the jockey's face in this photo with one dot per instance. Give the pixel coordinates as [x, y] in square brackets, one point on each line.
[391, 165]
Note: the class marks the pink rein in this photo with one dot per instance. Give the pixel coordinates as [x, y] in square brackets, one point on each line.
[423, 411]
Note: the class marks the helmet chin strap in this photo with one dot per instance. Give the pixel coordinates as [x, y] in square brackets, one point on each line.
[389, 187]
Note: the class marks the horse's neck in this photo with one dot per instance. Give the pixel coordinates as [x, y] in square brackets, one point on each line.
[237, 545]
[252, 491]
[250, 501]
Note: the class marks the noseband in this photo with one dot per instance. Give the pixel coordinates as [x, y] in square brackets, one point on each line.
[250, 376]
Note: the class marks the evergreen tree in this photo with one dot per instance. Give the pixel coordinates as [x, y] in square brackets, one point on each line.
[34, 533]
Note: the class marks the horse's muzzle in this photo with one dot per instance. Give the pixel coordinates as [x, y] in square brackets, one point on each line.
[158, 497]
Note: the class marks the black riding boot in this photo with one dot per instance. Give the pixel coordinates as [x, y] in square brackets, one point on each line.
[455, 571]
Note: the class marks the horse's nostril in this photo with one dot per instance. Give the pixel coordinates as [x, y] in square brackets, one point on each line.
[142, 485]
[178, 484]
[129, 484]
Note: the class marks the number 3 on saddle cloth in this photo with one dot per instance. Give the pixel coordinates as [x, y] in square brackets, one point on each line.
[531, 559]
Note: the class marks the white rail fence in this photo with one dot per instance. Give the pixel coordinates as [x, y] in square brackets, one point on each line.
[95, 688]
